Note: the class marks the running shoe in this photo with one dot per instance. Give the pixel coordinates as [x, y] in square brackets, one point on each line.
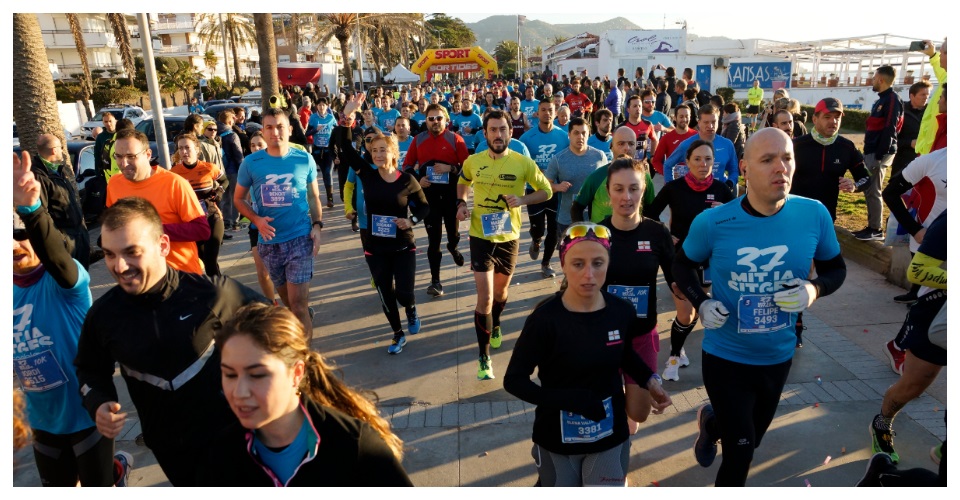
[878, 464]
[227, 236]
[535, 250]
[435, 289]
[457, 256]
[397, 346]
[672, 370]
[869, 234]
[329, 202]
[896, 357]
[908, 298]
[547, 271]
[413, 321]
[705, 447]
[496, 338]
[883, 439]
[936, 453]
[122, 464]
[684, 360]
[485, 370]
[311, 311]
[354, 226]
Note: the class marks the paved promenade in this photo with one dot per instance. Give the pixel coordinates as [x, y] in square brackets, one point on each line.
[462, 432]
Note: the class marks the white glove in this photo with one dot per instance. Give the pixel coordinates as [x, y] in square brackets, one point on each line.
[713, 314]
[799, 296]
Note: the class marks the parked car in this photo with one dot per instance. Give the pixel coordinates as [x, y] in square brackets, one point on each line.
[252, 97]
[135, 114]
[173, 124]
[216, 109]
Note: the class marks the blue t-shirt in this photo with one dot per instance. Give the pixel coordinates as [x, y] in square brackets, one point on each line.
[324, 125]
[750, 258]
[556, 124]
[386, 120]
[514, 144]
[46, 329]
[529, 108]
[284, 181]
[725, 162]
[657, 118]
[603, 146]
[473, 121]
[544, 145]
[420, 118]
[404, 146]
[284, 463]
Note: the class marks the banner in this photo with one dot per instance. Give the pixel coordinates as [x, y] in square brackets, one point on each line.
[742, 75]
[454, 60]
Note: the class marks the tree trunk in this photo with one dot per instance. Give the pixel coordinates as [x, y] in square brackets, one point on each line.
[232, 30]
[122, 35]
[34, 98]
[86, 83]
[347, 69]
[269, 80]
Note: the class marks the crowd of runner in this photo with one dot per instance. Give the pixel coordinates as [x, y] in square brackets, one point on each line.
[623, 179]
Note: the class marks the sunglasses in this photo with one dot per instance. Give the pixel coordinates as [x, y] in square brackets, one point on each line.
[20, 235]
[368, 139]
[434, 118]
[649, 102]
[581, 230]
[211, 129]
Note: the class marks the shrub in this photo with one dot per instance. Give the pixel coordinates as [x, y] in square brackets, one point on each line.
[727, 93]
[118, 95]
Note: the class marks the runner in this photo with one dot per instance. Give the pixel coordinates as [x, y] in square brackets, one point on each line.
[669, 141]
[759, 249]
[495, 226]
[646, 137]
[320, 127]
[299, 424]
[593, 195]
[436, 157]
[638, 247]
[544, 142]
[725, 166]
[577, 341]
[569, 168]
[518, 120]
[601, 137]
[687, 197]
[51, 296]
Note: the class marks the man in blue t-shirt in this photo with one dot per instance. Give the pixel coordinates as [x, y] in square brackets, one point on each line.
[602, 138]
[529, 105]
[283, 184]
[386, 119]
[468, 123]
[725, 164]
[759, 248]
[320, 127]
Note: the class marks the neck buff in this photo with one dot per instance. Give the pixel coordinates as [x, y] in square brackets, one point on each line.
[826, 141]
[29, 279]
[698, 186]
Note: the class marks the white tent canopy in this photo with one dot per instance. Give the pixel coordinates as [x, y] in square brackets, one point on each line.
[399, 74]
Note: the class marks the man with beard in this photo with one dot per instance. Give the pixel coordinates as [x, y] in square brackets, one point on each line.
[581, 105]
[495, 225]
[601, 138]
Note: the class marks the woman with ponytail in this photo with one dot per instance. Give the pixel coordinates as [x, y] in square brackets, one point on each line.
[299, 424]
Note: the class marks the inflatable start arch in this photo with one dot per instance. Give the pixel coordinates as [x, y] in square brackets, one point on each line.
[464, 60]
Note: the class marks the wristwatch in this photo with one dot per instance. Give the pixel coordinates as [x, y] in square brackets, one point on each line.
[318, 223]
[414, 220]
[657, 378]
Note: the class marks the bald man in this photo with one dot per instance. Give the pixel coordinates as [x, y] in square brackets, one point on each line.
[593, 195]
[59, 194]
[759, 248]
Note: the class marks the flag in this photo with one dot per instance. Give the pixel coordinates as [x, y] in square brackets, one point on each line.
[521, 20]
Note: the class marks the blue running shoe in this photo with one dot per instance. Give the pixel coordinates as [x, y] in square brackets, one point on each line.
[397, 346]
[413, 321]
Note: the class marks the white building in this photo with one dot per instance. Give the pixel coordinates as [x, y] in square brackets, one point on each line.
[179, 38]
[102, 53]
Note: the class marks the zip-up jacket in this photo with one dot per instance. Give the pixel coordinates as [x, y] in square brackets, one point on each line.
[819, 169]
[59, 194]
[886, 119]
[341, 451]
[163, 341]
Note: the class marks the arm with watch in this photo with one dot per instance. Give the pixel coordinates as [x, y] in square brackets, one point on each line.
[316, 214]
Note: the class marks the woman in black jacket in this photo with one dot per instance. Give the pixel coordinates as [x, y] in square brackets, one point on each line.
[288, 401]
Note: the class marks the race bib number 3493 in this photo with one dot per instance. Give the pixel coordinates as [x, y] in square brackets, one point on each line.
[759, 314]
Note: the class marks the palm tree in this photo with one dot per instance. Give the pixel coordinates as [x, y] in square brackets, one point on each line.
[269, 80]
[34, 98]
[177, 74]
[86, 82]
[239, 29]
[342, 27]
[120, 32]
[210, 60]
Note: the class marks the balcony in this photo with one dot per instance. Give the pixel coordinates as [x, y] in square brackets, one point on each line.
[173, 27]
[192, 49]
[63, 39]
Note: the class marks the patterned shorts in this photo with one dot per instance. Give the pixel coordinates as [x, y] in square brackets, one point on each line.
[290, 261]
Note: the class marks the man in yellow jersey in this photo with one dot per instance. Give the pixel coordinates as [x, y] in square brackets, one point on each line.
[498, 177]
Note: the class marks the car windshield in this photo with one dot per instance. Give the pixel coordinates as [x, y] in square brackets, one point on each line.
[99, 116]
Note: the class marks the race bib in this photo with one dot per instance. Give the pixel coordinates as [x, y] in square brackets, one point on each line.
[276, 195]
[39, 372]
[383, 226]
[759, 314]
[680, 170]
[639, 296]
[579, 429]
[443, 178]
[496, 223]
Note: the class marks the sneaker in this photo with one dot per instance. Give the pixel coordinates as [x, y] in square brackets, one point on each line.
[547, 271]
[705, 447]
[883, 440]
[457, 257]
[485, 370]
[122, 463]
[876, 467]
[397, 346]
[908, 298]
[672, 371]
[329, 202]
[535, 250]
[896, 357]
[936, 453]
[435, 289]
[684, 360]
[312, 312]
[354, 226]
[413, 321]
[227, 236]
[869, 234]
[496, 338]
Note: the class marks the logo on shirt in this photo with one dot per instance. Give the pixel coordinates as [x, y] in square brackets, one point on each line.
[643, 246]
[613, 335]
[27, 337]
[710, 197]
[836, 161]
[760, 270]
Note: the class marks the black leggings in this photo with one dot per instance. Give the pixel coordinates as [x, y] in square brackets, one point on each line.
[62, 459]
[324, 159]
[387, 267]
[445, 211]
[210, 250]
[543, 220]
[744, 399]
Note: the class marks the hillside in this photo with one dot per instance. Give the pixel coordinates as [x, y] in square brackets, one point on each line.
[494, 29]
